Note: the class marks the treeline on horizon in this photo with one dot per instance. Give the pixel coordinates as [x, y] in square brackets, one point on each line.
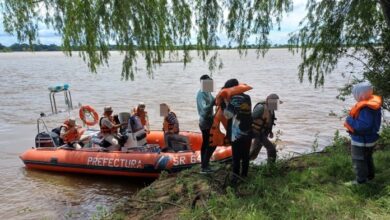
[53, 47]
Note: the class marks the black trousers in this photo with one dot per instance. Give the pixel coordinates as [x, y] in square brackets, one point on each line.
[206, 151]
[240, 148]
[363, 163]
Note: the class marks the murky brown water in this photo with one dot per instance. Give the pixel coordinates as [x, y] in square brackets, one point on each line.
[24, 78]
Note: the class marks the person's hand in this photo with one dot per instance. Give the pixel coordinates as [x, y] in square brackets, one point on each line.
[271, 135]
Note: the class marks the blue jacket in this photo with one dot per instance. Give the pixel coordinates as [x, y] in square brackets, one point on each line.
[205, 103]
[366, 127]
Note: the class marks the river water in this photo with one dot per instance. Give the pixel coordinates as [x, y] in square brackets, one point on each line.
[306, 116]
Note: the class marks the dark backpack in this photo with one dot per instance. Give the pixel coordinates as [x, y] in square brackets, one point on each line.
[244, 113]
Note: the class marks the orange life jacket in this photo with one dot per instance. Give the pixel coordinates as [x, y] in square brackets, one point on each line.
[170, 128]
[73, 135]
[374, 102]
[217, 138]
[106, 130]
[141, 115]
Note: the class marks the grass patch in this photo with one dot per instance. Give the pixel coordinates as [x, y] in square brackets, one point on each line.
[306, 187]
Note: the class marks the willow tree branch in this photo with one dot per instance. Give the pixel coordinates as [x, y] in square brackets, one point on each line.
[360, 60]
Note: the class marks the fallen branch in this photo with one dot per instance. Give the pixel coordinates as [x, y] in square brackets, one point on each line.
[197, 197]
[157, 213]
[149, 201]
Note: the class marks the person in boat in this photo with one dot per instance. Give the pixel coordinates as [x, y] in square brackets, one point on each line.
[363, 123]
[70, 133]
[173, 141]
[205, 102]
[109, 129]
[238, 109]
[263, 117]
[142, 115]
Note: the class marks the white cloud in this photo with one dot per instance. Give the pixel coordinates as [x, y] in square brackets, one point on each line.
[289, 23]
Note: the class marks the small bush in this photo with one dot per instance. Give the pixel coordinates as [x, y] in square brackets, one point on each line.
[384, 139]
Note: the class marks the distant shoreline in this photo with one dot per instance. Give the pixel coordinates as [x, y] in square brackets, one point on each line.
[56, 48]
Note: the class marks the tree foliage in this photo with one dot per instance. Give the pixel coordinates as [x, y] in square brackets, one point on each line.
[152, 26]
[332, 29]
[357, 29]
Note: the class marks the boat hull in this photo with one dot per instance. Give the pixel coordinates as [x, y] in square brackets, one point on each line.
[134, 164]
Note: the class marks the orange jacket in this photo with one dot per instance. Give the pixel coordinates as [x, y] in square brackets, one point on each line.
[106, 130]
[141, 115]
[374, 102]
[217, 138]
[171, 126]
[71, 135]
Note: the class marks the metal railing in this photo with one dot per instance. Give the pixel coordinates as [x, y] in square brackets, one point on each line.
[68, 100]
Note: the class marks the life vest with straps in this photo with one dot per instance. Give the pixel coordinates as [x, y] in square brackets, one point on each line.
[71, 136]
[171, 127]
[141, 115]
[374, 102]
[135, 124]
[217, 138]
[106, 130]
[264, 123]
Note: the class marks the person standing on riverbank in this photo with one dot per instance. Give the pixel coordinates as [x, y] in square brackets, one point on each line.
[239, 109]
[363, 125]
[205, 102]
[263, 116]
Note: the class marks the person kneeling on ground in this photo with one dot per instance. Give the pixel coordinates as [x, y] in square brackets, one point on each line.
[70, 133]
[263, 116]
[363, 125]
[109, 129]
[173, 141]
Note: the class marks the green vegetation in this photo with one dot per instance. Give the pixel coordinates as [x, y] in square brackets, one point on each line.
[331, 30]
[355, 29]
[155, 27]
[307, 187]
[26, 47]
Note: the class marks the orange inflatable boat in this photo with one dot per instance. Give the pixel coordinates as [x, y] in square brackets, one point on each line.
[147, 161]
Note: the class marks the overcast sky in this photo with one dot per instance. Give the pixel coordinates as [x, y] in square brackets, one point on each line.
[288, 25]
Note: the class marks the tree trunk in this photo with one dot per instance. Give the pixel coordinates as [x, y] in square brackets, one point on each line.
[386, 10]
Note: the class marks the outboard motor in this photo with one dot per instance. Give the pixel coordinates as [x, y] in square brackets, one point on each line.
[44, 139]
